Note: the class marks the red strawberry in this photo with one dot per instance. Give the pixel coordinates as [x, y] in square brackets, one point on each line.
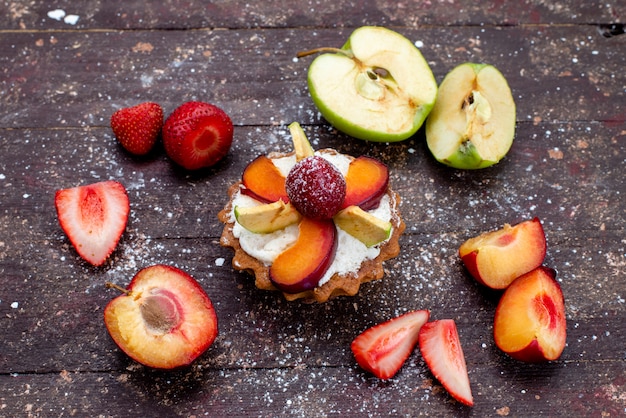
[383, 348]
[441, 349]
[93, 217]
[197, 135]
[137, 128]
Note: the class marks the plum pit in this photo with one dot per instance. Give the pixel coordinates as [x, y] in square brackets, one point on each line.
[160, 311]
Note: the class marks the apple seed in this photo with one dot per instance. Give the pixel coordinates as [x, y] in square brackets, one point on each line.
[477, 105]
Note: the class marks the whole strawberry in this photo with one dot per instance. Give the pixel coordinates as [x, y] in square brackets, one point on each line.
[197, 135]
[137, 128]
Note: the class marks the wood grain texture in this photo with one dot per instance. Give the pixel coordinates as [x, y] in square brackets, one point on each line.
[237, 14]
[59, 84]
[77, 79]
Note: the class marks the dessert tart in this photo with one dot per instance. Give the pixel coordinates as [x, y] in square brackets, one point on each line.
[312, 224]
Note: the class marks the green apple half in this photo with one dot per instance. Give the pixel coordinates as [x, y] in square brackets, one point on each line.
[473, 122]
[377, 87]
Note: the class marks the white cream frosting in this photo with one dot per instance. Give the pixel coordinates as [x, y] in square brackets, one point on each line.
[351, 252]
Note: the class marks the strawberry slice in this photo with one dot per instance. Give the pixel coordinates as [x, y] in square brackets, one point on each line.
[197, 135]
[137, 128]
[383, 348]
[441, 349]
[93, 217]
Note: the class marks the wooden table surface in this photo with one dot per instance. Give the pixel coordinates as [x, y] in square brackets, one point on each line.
[66, 66]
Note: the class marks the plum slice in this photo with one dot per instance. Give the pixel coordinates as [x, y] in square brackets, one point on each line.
[301, 266]
[263, 181]
[366, 183]
[530, 322]
[496, 258]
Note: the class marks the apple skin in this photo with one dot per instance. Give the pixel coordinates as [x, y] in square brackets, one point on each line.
[397, 102]
[472, 137]
[301, 145]
[467, 158]
[496, 258]
[185, 324]
[529, 323]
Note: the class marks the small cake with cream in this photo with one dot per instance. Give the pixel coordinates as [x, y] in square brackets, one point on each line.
[312, 224]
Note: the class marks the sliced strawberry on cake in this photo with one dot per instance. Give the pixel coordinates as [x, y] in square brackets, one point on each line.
[93, 217]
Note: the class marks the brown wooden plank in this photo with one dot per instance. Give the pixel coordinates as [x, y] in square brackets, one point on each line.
[312, 392]
[70, 79]
[173, 14]
[51, 313]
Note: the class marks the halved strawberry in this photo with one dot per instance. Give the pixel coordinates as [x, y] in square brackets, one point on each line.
[441, 349]
[383, 348]
[93, 217]
[197, 135]
[137, 128]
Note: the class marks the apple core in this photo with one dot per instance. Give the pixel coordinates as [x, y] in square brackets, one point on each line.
[369, 86]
